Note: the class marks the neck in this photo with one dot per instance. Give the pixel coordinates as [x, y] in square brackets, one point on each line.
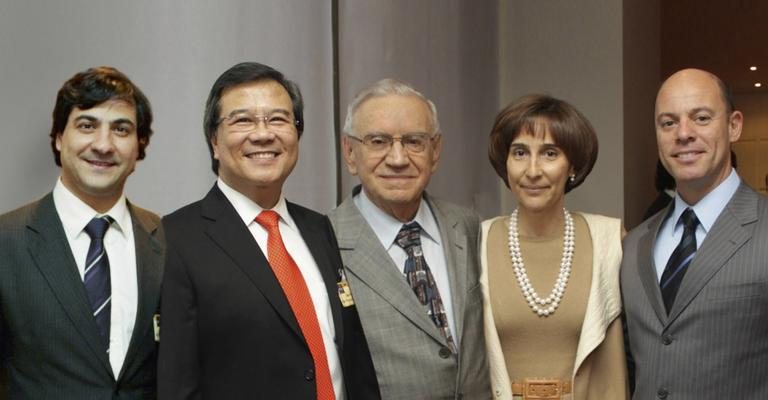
[692, 192]
[540, 224]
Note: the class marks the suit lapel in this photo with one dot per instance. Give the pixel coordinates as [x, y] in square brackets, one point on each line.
[316, 241]
[149, 258]
[50, 250]
[725, 237]
[227, 230]
[368, 260]
[455, 247]
[646, 267]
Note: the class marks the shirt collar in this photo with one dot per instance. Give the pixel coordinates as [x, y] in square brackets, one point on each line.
[75, 214]
[710, 206]
[386, 226]
[248, 209]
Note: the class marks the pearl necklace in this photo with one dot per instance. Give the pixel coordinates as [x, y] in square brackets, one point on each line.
[547, 306]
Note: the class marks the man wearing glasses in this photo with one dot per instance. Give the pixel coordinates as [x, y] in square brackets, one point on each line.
[251, 305]
[410, 259]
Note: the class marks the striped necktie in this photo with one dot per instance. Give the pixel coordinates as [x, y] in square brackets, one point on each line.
[96, 278]
[680, 259]
[421, 280]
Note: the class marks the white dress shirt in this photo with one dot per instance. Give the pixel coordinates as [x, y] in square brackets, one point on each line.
[248, 210]
[707, 210]
[386, 228]
[121, 251]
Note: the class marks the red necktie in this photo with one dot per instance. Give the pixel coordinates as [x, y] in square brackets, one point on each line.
[295, 289]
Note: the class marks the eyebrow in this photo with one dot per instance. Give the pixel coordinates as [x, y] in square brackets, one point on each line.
[91, 118]
[246, 110]
[404, 134]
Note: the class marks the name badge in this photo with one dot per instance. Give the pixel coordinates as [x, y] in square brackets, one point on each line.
[345, 295]
[156, 326]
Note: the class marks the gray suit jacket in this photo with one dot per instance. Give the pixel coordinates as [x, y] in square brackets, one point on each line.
[408, 351]
[714, 342]
[49, 341]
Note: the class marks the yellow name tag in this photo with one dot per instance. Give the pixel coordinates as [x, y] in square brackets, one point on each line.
[156, 326]
[345, 295]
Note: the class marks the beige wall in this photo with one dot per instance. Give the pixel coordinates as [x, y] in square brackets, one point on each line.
[571, 50]
[447, 49]
[752, 149]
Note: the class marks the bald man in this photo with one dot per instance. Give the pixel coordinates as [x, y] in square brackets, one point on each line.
[695, 276]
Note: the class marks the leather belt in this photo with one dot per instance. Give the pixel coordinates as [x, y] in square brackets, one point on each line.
[541, 389]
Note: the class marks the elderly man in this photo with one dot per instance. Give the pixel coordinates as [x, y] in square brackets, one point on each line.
[80, 269]
[694, 276]
[251, 301]
[410, 259]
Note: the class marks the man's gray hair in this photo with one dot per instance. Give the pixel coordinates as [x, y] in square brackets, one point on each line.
[386, 87]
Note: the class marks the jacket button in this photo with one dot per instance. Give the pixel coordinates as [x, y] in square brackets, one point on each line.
[666, 340]
[444, 352]
[662, 394]
[309, 374]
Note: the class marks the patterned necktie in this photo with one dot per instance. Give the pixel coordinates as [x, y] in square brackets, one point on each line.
[680, 259]
[421, 280]
[96, 278]
[295, 289]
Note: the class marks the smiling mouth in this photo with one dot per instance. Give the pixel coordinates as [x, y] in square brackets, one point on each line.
[687, 155]
[100, 163]
[262, 155]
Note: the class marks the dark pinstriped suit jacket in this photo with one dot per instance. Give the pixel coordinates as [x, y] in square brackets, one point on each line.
[48, 337]
[714, 342]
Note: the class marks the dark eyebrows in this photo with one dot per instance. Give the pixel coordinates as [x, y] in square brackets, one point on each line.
[270, 111]
[121, 121]
[700, 109]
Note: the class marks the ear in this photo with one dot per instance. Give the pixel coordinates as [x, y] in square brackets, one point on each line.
[437, 146]
[735, 123]
[214, 142]
[349, 154]
[58, 141]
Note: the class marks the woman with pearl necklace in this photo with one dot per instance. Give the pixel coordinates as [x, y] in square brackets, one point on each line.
[550, 277]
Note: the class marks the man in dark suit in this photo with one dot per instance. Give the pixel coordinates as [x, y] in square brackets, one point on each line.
[694, 276]
[81, 268]
[255, 303]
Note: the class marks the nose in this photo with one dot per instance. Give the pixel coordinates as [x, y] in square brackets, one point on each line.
[397, 156]
[261, 133]
[533, 170]
[685, 132]
[103, 142]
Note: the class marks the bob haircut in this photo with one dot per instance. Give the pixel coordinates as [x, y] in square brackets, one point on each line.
[88, 89]
[536, 115]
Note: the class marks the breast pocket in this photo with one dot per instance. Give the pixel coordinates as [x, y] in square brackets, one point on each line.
[738, 290]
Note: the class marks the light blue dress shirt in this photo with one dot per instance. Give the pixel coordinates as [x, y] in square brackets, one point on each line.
[707, 210]
[386, 228]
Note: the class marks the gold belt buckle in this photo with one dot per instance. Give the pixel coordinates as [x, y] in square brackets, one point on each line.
[542, 389]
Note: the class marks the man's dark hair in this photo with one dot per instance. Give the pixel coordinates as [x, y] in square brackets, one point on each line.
[239, 74]
[88, 89]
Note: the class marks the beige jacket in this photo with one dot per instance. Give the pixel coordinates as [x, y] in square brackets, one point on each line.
[600, 368]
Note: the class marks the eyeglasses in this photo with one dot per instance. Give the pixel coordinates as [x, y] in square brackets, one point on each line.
[245, 121]
[382, 142]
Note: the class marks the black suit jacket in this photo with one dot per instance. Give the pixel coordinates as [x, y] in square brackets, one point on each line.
[48, 336]
[228, 331]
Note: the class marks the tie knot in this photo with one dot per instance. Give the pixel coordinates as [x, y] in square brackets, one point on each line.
[689, 220]
[98, 226]
[268, 219]
[408, 236]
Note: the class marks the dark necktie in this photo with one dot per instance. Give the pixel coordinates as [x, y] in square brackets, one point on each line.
[96, 278]
[296, 291]
[680, 259]
[421, 280]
